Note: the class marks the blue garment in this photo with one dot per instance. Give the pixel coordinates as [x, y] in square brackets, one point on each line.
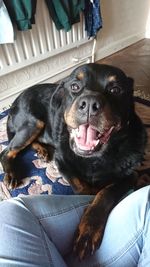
[39, 231]
[93, 19]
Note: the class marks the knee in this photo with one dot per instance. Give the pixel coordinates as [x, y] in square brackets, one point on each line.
[133, 206]
[11, 209]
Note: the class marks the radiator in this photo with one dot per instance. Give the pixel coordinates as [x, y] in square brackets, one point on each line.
[43, 41]
[40, 54]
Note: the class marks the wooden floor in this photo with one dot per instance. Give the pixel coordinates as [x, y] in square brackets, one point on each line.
[135, 61]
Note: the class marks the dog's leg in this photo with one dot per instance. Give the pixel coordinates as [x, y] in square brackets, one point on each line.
[82, 188]
[23, 137]
[44, 152]
[143, 180]
[91, 228]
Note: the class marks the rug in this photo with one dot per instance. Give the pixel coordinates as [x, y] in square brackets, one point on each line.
[43, 178]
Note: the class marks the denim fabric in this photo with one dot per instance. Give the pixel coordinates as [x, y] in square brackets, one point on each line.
[39, 231]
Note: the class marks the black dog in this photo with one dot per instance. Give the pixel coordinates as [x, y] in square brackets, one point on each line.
[89, 126]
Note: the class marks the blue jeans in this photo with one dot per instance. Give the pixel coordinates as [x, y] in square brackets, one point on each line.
[39, 231]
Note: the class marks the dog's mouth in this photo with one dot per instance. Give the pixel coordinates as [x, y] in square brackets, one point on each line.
[87, 139]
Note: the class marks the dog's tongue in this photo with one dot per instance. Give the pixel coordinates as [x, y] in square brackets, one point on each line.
[87, 137]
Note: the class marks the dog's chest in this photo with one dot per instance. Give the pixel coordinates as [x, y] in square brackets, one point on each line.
[92, 171]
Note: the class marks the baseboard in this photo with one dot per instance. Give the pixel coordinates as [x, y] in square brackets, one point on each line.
[118, 45]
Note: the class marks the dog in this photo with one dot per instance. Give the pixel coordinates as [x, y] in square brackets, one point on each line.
[88, 125]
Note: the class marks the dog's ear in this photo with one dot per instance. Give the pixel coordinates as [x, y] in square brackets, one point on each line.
[57, 97]
[130, 84]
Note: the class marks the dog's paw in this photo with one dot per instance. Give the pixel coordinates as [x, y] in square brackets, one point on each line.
[10, 182]
[43, 153]
[87, 240]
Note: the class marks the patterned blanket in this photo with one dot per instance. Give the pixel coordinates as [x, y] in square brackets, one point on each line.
[43, 178]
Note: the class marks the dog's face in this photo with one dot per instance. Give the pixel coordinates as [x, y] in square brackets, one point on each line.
[98, 103]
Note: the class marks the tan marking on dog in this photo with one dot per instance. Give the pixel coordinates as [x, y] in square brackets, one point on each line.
[77, 185]
[44, 151]
[33, 136]
[69, 116]
[13, 153]
[80, 75]
[112, 78]
[108, 119]
[82, 187]
[39, 148]
[40, 124]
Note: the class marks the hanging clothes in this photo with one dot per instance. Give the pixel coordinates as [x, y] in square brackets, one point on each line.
[93, 19]
[22, 12]
[6, 27]
[65, 13]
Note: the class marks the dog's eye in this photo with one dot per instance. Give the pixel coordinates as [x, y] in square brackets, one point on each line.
[75, 87]
[115, 90]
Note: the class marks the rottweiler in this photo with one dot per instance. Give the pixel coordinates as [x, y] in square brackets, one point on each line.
[88, 125]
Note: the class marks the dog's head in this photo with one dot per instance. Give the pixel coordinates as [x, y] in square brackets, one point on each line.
[98, 103]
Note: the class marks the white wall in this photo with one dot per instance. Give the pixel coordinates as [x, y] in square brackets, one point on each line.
[124, 23]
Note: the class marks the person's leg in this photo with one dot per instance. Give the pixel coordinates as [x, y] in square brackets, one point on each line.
[38, 231]
[22, 240]
[126, 241]
[127, 233]
[57, 218]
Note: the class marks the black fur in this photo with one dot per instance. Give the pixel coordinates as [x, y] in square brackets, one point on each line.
[104, 152]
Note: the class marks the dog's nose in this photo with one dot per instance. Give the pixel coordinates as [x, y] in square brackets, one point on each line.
[89, 104]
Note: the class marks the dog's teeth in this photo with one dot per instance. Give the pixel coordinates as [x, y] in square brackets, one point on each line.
[77, 133]
[96, 143]
[73, 134]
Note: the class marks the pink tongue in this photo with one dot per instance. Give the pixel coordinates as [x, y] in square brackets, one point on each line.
[87, 137]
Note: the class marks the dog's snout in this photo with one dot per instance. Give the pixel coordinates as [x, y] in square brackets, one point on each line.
[89, 104]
